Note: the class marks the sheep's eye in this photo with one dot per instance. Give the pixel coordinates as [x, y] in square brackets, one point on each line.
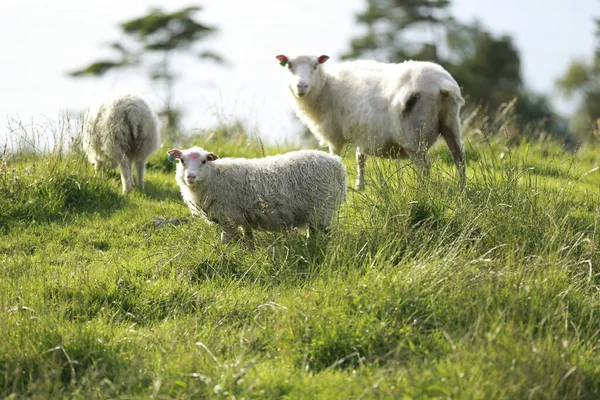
[203, 161]
[182, 163]
[315, 66]
[290, 66]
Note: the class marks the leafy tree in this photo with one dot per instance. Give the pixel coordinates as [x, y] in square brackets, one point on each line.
[488, 68]
[485, 62]
[582, 80]
[153, 39]
[392, 25]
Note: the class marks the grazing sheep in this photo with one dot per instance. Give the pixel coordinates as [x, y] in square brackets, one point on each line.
[296, 189]
[387, 110]
[121, 132]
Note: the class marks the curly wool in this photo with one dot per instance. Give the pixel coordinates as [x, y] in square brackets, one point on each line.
[121, 132]
[296, 189]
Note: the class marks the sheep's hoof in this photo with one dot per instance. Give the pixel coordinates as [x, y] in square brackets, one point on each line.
[226, 237]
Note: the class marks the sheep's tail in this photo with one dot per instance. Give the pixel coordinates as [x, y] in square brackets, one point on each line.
[450, 89]
[133, 121]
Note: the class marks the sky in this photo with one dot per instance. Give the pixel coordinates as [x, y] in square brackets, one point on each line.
[43, 40]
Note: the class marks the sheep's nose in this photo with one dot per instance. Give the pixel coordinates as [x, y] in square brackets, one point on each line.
[191, 177]
[303, 86]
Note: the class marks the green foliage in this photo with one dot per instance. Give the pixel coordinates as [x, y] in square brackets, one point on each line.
[583, 80]
[479, 61]
[99, 68]
[160, 33]
[490, 63]
[576, 77]
[487, 68]
[422, 290]
[389, 22]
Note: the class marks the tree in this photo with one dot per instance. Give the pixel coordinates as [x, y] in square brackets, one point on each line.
[153, 39]
[582, 80]
[392, 26]
[488, 68]
[482, 62]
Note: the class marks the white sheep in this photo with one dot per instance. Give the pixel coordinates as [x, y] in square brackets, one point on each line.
[121, 132]
[296, 189]
[387, 110]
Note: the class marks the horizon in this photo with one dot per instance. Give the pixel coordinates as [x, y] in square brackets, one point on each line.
[249, 37]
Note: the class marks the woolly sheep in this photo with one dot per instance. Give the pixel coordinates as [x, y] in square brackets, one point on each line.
[387, 110]
[296, 189]
[121, 132]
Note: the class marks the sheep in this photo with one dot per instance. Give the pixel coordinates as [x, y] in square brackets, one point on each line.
[387, 110]
[295, 189]
[121, 132]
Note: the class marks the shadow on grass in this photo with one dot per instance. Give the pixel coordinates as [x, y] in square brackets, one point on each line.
[56, 197]
[46, 363]
[161, 191]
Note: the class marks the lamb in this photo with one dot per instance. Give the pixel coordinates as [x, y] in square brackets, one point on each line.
[387, 110]
[296, 189]
[121, 132]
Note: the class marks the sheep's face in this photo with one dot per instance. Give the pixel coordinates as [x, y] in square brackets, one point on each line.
[194, 164]
[304, 72]
[101, 164]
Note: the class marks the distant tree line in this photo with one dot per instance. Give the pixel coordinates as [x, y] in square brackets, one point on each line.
[486, 66]
[582, 80]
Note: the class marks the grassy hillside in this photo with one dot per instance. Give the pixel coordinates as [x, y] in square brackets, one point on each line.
[421, 291]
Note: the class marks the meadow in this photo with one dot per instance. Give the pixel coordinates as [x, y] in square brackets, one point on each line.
[422, 290]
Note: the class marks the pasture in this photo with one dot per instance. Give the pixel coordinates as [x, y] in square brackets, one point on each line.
[421, 290]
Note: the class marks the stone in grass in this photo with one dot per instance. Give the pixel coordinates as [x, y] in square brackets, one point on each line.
[162, 222]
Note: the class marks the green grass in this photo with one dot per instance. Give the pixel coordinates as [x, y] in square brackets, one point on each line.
[422, 291]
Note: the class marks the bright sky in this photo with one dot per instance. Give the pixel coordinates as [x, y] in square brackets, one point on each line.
[42, 40]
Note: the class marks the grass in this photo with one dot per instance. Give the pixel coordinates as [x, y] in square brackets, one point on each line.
[422, 291]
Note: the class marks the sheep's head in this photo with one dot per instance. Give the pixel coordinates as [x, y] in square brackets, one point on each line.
[305, 73]
[102, 164]
[194, 164]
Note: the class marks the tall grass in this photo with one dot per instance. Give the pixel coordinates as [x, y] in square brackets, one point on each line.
[422, 290]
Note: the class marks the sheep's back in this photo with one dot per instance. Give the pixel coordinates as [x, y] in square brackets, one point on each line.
[365, 99]
[278, 191]
[123, 126]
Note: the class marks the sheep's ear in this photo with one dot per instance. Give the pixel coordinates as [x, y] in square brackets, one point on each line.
[322, 59]
[282, 59]
[173, 155]
[212, 157]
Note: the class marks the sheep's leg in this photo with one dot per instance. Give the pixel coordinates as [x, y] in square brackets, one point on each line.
[312, 230]
[249, 236]
[140, 166]
[320, 222]
[226, 237]
[361, 160]
[126, 174]
[228, 234]
[451, 135]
